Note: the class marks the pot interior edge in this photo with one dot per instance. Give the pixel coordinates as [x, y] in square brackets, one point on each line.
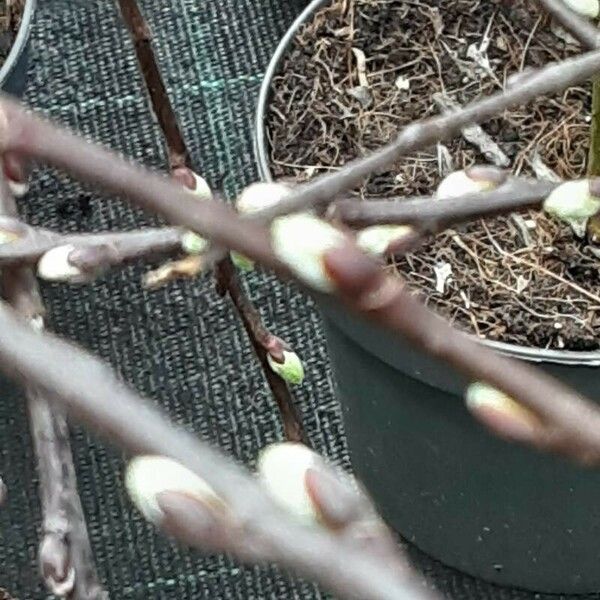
[527, 353]
[20, 41]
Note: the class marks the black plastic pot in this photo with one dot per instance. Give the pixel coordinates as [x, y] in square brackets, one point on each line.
[488, 508]
[13, 73]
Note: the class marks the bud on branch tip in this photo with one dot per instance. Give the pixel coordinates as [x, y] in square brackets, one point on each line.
[572, 202]
[283, 468]
[501, 413]
[376, 240]
[148, 476]
[254, 198]
[290, 369]
[54, 265]
[301, 241]
[585, 8]
[192, 243]
[469, 181]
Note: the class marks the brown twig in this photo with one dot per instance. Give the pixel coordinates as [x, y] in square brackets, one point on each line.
[225, 272]
[327, 187]
[570, 424]
[65, 555]
[264, 343]
[260, 531]
[93, 252]
[142, 40]
[31, 136]
[431, 214]
[38, 139]
[577, 26]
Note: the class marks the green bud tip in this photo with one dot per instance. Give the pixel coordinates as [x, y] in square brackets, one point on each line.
[192, 243]
[242, 262]
[291, 369]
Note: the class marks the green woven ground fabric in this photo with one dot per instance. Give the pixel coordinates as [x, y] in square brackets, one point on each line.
[181, 345]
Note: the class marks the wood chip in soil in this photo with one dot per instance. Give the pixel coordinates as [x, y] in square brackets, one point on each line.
[522, 279]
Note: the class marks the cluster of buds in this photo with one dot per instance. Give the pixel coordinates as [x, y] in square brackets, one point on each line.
[191, 242]
[294, 476]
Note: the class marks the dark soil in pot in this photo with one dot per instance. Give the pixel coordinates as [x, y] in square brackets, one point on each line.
[15, 25]
[520, 279]
[11, 14]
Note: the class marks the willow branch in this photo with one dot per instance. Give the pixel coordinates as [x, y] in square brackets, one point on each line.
[259, 529]
[430, 214]
[577, 26]
[38, 139]
[423, 134]
[264, 343]
[570, 424]
[91, 251]
[65, 555]
[225, 271]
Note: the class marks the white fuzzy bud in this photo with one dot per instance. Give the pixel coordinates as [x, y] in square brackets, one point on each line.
[300, 241]
[377, 239]
[192, 243]
[202, 189]
[7, 237]
[259, 196]
[282, 468]
[586, 8]
[54, 265]
[18, 189]
[291, 369]
[459, 183]
[572, 202]
[148, 476]
[500, 412]
[254, 198]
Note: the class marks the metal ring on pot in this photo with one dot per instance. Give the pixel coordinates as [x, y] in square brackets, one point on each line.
[20, 43]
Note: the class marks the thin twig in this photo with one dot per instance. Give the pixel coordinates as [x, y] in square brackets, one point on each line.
[570, 424]
[225, 271]
[264, 343]
[142, 40]
[474, 134]
[93, 252]
[430, 214]
[260, 531]
[65, 555]
[422, 134]
[576, 25]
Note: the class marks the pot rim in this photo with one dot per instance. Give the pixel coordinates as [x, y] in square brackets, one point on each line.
[529, 353]
[20, 42]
